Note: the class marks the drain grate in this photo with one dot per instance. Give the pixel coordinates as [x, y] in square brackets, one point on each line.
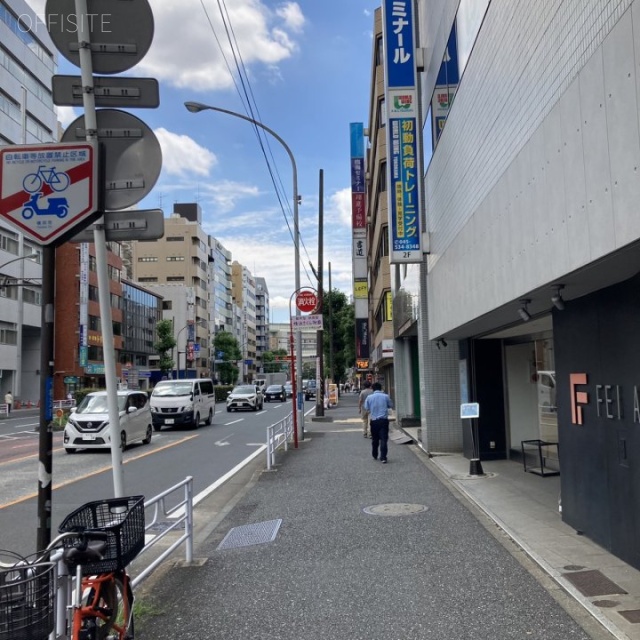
[394, 509]
[250, 534]
[593, 583]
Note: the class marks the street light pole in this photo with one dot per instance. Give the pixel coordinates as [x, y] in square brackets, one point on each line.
[196, 107]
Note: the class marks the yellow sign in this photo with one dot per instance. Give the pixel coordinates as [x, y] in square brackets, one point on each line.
[361, 289]
[362, 364]
[389, 305]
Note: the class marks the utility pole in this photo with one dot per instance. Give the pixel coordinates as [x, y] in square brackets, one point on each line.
[330, 327]
[320, 333]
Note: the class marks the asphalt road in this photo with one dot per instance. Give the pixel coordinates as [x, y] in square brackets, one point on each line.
[206, 454]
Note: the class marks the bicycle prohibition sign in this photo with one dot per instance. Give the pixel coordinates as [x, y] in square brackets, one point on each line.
[57, 180]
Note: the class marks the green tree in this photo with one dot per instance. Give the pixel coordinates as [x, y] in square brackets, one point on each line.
[339, 334]
[164, 346]
[227, 349]
[272, 361]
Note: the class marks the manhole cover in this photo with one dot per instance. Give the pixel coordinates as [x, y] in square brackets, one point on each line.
[394, 509]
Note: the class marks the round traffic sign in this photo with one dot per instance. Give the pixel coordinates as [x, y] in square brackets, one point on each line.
[120, 33]
[306, 301]
[132, 156]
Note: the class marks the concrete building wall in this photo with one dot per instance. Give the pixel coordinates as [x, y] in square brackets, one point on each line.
[539, 155]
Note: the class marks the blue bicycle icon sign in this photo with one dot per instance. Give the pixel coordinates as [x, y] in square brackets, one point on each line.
[55, 207]
[57, 180]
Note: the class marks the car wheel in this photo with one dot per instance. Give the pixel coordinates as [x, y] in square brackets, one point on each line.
[123, 441]
[157, 427]
[209, 420]
[147, 440]
[70, 450]
[228, 410]
[196, 421]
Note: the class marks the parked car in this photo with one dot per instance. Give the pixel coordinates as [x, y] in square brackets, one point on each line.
[88, 423]
[310, 390]
[183, 403]
[288, 387]
[245, 396]
[275, 392]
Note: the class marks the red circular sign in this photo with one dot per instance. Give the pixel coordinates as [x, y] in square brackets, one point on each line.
[306, 301]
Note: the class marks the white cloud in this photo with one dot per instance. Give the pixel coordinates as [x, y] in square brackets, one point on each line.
[292, 15]
[66, 115]
[182, 155]
[186, 52]
[340, 204]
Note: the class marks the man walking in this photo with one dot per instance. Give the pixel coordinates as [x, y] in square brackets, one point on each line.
[366, 391]
[8, 400]
[378, 405]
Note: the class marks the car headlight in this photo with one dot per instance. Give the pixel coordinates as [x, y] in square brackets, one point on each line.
[153, 409]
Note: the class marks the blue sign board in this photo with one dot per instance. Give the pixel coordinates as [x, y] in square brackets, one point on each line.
[357, 139]
[405, 227]
[470, 410]
[449, 72]
[399, 38]
[357, 175]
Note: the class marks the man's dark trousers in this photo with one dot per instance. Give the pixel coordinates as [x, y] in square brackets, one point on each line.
[379, 437]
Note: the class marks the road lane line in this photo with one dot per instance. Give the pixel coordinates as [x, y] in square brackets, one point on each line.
[212, 487]
[66, 483]
[226, 424]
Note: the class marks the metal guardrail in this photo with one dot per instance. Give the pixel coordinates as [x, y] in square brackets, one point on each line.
[180, 513]
[278, 434]
[63, 404]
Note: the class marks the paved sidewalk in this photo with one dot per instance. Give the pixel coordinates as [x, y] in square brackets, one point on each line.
[333, 545]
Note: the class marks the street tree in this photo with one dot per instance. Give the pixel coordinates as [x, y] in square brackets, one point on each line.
[227, 349]
[339, 342]
[164, 346]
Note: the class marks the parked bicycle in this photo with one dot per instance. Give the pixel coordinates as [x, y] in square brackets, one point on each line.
[96, 543]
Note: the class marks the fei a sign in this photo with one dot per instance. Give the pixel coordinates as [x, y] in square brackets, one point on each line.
[47, 190]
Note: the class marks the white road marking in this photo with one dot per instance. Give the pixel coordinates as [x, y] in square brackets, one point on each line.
[220, 481]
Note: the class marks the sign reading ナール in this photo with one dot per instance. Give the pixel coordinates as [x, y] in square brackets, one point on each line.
[46, 190]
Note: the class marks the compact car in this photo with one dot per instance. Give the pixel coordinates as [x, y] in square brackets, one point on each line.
[275, 392]
[88, 424]
[245, 396]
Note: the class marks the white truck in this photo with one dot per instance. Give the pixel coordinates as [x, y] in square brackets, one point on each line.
[263, 380]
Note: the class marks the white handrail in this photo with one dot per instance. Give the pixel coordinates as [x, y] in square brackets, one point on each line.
[278, 434]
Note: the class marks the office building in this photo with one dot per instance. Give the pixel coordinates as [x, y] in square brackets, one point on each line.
[525, 302]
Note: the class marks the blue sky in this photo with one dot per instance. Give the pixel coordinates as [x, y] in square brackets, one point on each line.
[308, 64]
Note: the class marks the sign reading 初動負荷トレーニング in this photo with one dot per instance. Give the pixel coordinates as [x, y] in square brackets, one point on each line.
[403, 134]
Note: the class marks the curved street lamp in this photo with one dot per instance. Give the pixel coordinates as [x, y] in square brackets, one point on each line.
[196, 107]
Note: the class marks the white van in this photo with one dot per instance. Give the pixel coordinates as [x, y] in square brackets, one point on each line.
[88, 423]
[183, 403]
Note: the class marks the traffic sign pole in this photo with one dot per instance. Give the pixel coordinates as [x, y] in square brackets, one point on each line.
[100, 243]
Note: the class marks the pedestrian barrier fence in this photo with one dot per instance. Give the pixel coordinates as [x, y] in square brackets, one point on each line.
[4, 410]
[63, 404]
[278, 434]
[181, 514]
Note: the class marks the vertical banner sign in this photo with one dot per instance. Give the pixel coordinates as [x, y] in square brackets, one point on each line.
[358, 213]
[403, 133]
[446, 87]
[359, 229]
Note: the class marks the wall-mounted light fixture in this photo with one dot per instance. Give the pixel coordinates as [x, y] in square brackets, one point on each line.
[556, 298]
[523, 311]
[441, 343]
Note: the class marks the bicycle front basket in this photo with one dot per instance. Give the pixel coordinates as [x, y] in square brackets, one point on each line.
[26, 602]
[122, 519]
